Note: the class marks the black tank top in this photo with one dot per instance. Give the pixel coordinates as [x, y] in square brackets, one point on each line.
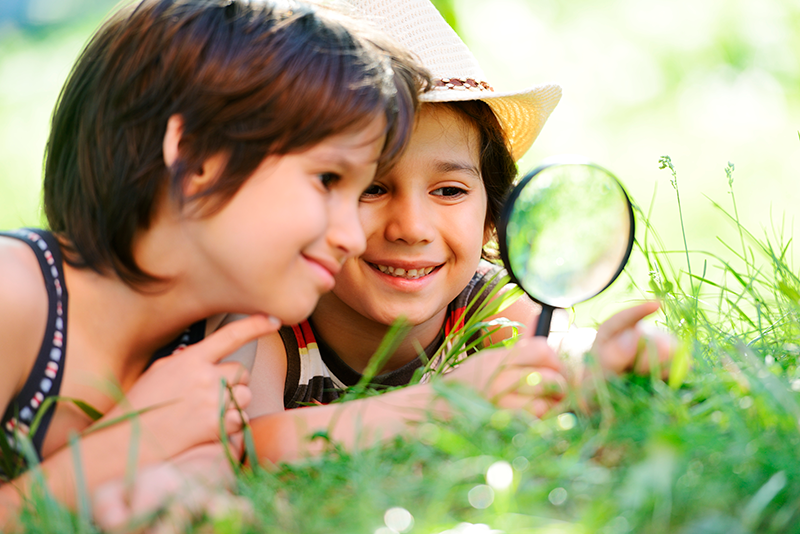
[31, 407]
[45, 378]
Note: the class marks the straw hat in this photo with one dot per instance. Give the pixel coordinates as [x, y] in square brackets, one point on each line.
[417, 25]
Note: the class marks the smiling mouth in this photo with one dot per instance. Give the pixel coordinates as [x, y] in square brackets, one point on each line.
[399, 272]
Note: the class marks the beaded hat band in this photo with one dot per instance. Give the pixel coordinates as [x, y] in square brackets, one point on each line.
[417, 25]
[462, 83]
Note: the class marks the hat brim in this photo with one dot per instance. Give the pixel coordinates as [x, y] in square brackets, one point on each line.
[521, 113]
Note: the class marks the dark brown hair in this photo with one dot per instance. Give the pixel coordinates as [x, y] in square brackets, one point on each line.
[497, 165]
[248, 79]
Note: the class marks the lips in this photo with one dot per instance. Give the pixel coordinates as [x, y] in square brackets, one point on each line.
[328, 268]
[408, 273]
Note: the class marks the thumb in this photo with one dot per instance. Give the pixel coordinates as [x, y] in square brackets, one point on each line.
[625, 319]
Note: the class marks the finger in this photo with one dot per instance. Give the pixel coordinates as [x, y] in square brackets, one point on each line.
[110, 509]
[534, 352]
[207, 464]
[620, 353]
[532, 382]
[232, 336]
[234, 421]
[655, 348]
[543, 382]
[627, 318]
[178, 516]
[234, 373]
[536, 406]
[241, 396]
[236, 447]
[154, 485]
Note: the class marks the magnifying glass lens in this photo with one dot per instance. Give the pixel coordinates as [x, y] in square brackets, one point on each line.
[566, 233]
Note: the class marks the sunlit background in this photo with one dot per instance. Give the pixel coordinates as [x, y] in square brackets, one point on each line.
[706, 83]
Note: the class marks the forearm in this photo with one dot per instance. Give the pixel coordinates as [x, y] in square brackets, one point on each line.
[284, 436]
[10, 503]
[103, 455]
[496, 375]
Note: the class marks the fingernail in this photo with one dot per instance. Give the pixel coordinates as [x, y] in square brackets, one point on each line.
[274, 320]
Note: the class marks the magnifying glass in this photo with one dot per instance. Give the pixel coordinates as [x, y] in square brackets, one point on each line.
[565, 234]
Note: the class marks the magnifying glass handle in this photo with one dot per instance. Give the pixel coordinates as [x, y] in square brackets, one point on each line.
[543, 324]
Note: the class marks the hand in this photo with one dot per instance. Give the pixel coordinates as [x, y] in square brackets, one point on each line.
[180, 395]
[194, 484]
[623, 344]
[527, 376]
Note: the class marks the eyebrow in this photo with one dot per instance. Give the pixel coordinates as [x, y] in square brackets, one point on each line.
[457, 166]
[335, 159]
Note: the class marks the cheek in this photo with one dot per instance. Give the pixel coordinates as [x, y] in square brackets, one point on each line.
[472, 224]
[372, 222]
[347, 280]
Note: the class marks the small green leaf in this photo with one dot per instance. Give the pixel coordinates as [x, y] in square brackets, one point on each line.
[679, 368]
[789, 291]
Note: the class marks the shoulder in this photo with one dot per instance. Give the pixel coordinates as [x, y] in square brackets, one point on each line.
[489, 274]
[22, 290]
[23, 313]
[486, 278]
[268, 377]
[271, 347]
[521, 309]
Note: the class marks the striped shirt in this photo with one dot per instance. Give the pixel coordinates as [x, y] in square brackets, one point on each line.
[315, 374]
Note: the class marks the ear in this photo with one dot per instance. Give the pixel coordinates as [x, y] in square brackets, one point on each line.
[488, 233]
[172, 139]
[198, 180]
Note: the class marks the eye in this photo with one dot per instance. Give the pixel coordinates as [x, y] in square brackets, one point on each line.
[373, 191]
[329, 179]
[449, 191]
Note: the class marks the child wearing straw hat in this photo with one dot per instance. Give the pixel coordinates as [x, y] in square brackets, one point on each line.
[426, 221]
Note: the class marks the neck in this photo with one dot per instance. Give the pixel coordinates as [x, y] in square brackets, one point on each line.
[124, 321]
[355, 338]
[125, 325]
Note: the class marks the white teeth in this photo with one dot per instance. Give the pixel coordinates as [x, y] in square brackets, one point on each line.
[411, 274]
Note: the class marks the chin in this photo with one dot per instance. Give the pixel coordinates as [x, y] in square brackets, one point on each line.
[413, 318]
[296, 314]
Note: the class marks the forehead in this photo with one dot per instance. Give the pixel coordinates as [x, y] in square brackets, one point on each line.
[360, 144]
[440, 128]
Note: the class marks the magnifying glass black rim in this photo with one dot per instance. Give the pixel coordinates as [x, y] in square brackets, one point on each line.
[508, 206]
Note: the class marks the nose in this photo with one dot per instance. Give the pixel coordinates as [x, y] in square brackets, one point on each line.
[408, 220]
[345, 233]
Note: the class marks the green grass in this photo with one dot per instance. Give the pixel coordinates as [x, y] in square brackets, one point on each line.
[715, 453]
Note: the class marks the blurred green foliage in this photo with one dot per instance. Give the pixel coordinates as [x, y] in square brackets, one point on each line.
[39, 41]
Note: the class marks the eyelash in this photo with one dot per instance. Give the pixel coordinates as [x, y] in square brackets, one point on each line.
[368, 194]
[328, 179]
[456, 191]
[447, 192]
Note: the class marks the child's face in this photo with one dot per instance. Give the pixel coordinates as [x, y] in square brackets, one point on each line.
[425, 225]
[276, 246]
